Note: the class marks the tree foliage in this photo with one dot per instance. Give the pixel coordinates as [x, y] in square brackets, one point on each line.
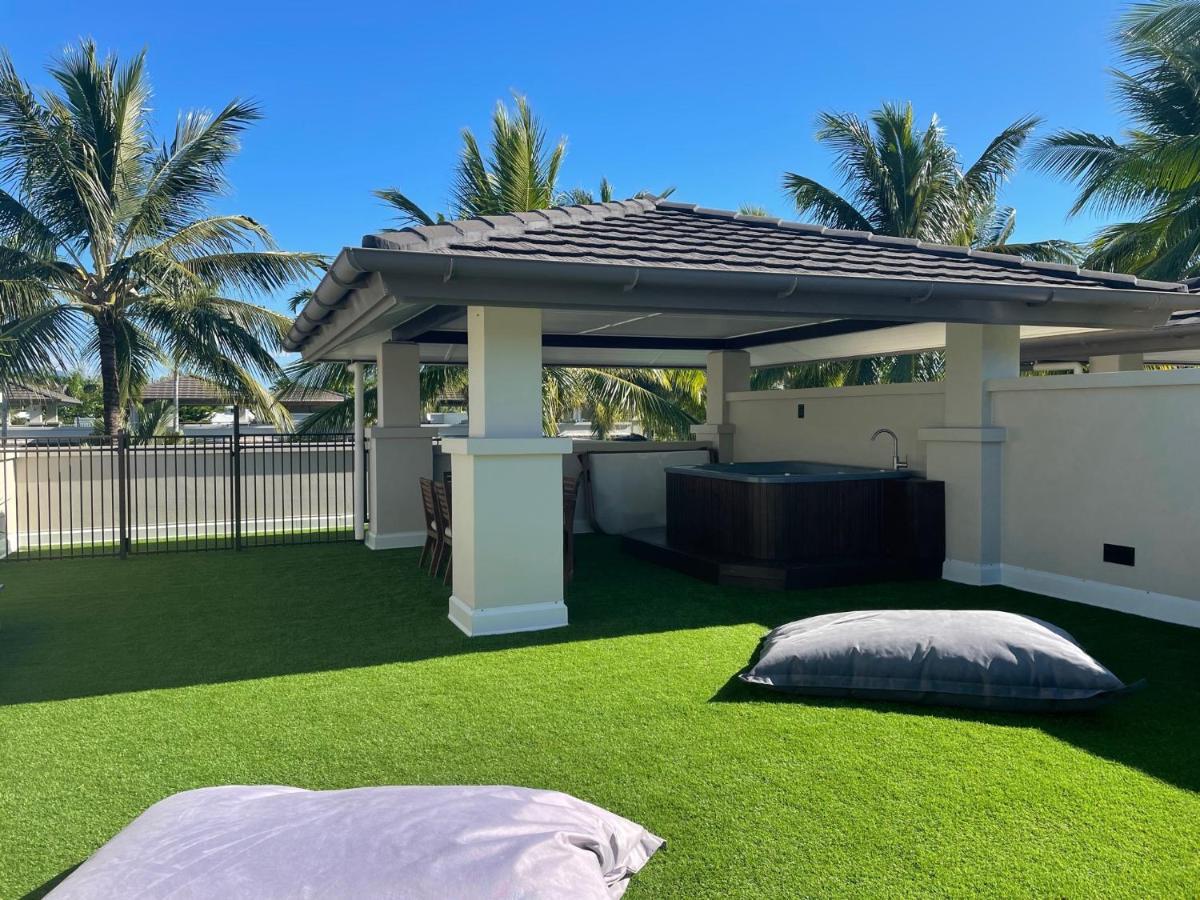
[108, 240]
[1152, 173]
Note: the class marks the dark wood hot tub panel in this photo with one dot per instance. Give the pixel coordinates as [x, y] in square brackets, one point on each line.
[807, 521]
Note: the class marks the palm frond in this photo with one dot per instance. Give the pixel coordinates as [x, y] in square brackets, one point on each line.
[824, 206]
[189, 172]
[36, 345]
[997, 162]
[410, 212]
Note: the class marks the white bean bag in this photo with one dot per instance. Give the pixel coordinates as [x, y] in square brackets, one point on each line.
[403, 842]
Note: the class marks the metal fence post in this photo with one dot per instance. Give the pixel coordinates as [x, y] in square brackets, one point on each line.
[123, 489]
[237, 477]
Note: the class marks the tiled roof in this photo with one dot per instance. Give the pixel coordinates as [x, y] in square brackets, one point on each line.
[39, 393]
[203, 392]
[191, 389]
[312, 395]
[679, 235]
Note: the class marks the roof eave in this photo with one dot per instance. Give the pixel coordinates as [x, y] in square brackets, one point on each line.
[780, 293]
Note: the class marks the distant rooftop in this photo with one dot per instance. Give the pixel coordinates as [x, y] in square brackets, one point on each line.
[40, 393]
[202, 392]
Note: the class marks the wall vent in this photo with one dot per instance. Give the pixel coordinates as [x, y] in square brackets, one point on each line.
[1118, 554]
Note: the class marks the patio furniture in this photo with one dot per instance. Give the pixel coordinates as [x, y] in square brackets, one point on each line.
[433, 534]
[445, 547]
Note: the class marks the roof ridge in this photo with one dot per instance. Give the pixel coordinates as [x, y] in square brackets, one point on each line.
[1010, 259]
[480, 228]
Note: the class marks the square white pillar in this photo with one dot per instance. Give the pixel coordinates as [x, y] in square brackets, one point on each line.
[728, 372]
[401, 451]
[507, 489]
[1119, 362]
[967, 452]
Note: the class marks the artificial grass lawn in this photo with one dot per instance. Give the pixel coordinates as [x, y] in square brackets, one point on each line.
[331, 666]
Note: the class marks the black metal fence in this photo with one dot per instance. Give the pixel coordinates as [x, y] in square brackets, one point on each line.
[117, 496]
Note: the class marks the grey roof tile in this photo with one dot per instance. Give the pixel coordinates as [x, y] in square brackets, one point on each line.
[670, 234]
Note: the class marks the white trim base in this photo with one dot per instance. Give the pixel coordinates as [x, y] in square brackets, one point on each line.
[976, 574]
[507, 619]
[395, 541]
[1164, 607]
[1137, 602]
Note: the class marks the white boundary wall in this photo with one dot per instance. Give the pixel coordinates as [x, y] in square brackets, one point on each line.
[1103, 458]
[1087, 460]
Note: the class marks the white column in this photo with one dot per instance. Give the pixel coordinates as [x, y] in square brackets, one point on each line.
[401, 450]
[507, 496]
[966, 453]
[728, 372]
[360, 447]
[1119, 362]
[176, 427]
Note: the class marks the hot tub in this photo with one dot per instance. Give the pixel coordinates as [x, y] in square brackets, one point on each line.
[793, 471]
[796, 512]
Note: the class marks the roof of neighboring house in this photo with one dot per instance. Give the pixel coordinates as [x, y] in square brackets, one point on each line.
[40, 393]
[201, 392]
[313, 397]
[193, 390]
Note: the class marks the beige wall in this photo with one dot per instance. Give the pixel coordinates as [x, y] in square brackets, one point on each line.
[1094, 459]
[1086, 460]
[837, 423]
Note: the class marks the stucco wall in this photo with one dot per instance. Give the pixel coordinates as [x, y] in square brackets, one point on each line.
[837, 423]
[1086, 460]
[1094, 459]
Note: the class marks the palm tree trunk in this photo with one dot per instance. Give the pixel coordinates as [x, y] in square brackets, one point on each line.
[109, 377]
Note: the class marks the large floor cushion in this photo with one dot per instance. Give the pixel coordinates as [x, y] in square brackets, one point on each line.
[974, 658]
[402, 842]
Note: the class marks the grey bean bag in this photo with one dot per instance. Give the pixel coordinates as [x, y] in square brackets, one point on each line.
[973, 658]
[402, 842]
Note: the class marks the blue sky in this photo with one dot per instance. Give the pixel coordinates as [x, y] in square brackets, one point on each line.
[718, 99]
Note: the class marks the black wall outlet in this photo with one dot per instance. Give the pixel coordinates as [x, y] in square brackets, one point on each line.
[799, 410]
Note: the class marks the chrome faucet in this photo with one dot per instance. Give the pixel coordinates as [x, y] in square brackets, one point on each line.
[898, 461]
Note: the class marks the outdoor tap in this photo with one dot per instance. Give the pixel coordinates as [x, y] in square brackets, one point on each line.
[898, 461]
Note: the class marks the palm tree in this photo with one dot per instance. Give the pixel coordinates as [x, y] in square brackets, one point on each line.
[907, 182]
[903, 181]
[1153, 173]
[104, 227]
[521, 174]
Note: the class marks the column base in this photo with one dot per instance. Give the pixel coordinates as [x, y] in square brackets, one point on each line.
[507, 619]
[974, 574]
[394, 541]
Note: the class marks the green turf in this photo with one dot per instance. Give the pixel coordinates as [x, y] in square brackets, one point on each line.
[332, 666]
